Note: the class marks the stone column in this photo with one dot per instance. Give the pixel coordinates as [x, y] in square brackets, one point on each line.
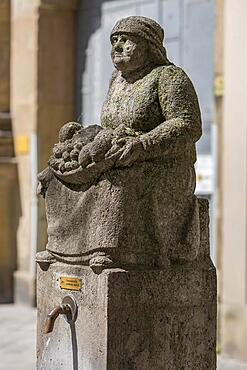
[219, 99]
[8, 178]
[9, 212]
[24, 105]
[42, 98]
[234, 256]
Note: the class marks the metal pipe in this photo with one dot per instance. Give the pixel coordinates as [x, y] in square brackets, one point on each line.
[60, 309]
[51, 318]
[68, 307]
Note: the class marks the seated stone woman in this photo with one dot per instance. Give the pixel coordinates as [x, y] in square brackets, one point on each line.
[123, 194]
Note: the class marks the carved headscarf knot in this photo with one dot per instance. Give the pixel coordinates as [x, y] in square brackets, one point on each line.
[145, 28]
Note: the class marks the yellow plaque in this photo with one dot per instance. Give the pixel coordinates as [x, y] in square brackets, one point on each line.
[21, 144]
[71, 283]
[219, 85]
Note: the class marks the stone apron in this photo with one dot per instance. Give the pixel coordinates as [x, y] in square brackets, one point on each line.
[130, 214]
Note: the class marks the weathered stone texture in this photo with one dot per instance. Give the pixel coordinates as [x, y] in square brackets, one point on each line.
[142, 320]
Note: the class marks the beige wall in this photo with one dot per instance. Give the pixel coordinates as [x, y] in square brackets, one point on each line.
[234, 190]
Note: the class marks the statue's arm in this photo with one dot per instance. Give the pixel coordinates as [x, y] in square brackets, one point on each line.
[180, 108]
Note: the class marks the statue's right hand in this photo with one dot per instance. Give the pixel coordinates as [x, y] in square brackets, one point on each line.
[95, 151]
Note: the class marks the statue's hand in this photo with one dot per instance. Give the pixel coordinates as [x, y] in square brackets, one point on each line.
[96, 150]
[116, 149]
[125, 151]
[132, 152]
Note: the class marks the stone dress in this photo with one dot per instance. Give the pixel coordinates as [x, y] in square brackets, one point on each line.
[147, 213]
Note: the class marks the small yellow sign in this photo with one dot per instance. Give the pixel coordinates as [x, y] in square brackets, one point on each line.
[219, 85]
[22, 144]
[71, 283]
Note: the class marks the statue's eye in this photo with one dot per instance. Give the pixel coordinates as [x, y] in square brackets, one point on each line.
[114, 39]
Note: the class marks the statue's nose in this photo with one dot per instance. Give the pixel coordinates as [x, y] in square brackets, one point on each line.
[118, 46]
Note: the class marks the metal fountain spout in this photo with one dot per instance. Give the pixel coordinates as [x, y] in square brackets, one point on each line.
[68, 308]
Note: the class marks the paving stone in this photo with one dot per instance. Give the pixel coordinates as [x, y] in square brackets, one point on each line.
[230, 364]
[18, 337]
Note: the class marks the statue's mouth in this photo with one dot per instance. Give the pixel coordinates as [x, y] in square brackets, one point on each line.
[122, 56]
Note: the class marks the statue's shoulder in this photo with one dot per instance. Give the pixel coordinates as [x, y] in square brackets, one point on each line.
[174, 80]
[172, 74]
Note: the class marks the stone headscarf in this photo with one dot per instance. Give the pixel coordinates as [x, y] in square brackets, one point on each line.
[148, 29]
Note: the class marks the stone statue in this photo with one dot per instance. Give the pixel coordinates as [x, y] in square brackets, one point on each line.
[125, 226]
[122, 194]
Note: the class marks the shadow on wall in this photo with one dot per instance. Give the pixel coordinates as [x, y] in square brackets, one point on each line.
[88, 21]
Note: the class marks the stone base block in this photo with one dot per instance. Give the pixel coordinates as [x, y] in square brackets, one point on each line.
[130, 320]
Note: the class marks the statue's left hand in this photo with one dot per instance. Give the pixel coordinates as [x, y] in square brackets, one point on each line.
[125, 151]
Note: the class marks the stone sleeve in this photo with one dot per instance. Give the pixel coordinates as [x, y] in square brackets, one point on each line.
[180, 108]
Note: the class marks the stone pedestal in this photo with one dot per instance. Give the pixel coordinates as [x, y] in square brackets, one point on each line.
[131, 320]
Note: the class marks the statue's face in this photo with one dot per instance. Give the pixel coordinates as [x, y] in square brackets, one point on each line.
[128, 52]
